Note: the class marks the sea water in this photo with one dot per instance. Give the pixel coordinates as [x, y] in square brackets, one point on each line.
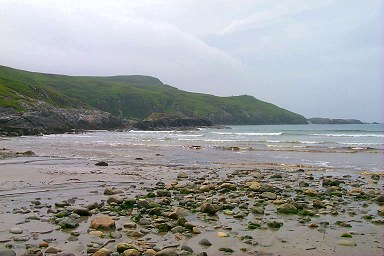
[346, 148]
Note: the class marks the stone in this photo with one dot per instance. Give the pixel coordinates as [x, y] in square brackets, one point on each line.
[112, 191]
[257, 209]
[82, 211]
[222, 234]
[33, 251]
[226, 250]
[187, 248]
[269, 195]
[205, 242]
[52, 250]
[103, 223]
[16, 230]
[287, 208]
[68, 223]
[274, 224]
[163, 193]
[143, 203]
[166, 252]
[62, 204]
[375, 177]
[62, 214]
[150, 252]
[207, 188]
[7, 252]
[209, 208]
[331, 182]
[102, 163]
[102, 252]
[182, 175]
[229, 186]
[21, 238]
[115, 199]
[96, 233]
[177, 229]
[380, 199]
[254, 186]
[346, 243]
[318, 204]
[94, 205]
[380, 211]
[134, 233]
[195, 230]
[189, 225]
[43, 244]
[121, 247]
[131, 252]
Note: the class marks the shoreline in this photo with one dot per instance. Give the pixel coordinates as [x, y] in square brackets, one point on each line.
[236, 207]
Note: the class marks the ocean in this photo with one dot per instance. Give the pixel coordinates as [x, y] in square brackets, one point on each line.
[338, 148]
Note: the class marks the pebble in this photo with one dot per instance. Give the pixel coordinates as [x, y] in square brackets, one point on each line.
[222, 234]
[131, 252]
[269, 195]
[7, 252]
[21, 238]
[52, 250]
[16, 230]
[96, 233]
[205, 242]
[209, 208]
[346, 243]
[43, 244]
[103, 223]
[166, 252]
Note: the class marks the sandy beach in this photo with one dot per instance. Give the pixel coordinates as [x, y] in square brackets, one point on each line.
[156, 205]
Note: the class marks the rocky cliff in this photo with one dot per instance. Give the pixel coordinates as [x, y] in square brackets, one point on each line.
[44, 118]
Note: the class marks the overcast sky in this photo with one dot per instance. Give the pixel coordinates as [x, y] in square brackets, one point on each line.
[314, 57]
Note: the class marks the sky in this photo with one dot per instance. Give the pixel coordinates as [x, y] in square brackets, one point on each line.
[318, 58]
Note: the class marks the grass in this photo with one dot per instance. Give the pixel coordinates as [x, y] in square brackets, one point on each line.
[136, 97]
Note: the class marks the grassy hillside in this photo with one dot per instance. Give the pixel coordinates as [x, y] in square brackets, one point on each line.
[134, 97]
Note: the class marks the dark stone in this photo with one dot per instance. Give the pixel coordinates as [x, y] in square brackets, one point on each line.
[331, 182]
[163, 193]
[210, 208]
[82, 211]
[101, 163]
[187, 248]
[205, 242]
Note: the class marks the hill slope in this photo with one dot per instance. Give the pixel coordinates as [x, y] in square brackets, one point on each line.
[133, 97]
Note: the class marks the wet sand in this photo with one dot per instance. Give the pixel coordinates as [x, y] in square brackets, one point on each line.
[339, 218]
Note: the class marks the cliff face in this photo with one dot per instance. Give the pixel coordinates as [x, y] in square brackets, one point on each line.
[45, 119]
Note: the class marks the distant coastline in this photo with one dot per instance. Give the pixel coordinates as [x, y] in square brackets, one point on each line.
[323, 120]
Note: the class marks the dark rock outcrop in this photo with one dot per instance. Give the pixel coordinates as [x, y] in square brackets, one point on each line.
[44, 118]
[162, 121]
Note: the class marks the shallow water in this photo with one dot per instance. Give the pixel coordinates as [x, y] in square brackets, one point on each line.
[352, 148]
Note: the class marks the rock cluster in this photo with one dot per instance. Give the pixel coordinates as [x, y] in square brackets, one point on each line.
[194, 204]
[43, 118]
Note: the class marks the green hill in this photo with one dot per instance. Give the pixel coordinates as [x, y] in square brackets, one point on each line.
[133, 97]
